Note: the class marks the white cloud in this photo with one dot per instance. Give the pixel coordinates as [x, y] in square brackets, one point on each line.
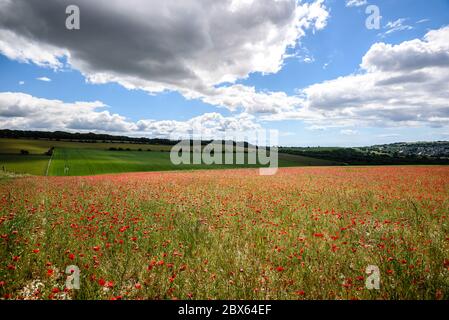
[348, 132]
[44, 79]
[422, 21]
[25, 112]
[21, 83]
[189, 46]
[398, 85]
[395, 26]
[240, 96]
[356, 3]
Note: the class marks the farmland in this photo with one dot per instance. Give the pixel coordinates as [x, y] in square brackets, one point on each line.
[78, 159]
[305, 233]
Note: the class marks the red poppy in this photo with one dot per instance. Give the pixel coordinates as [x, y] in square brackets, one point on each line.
[280, 269]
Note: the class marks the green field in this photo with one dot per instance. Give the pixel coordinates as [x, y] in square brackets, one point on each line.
[80, 159]
[30, 164]
[13, 146]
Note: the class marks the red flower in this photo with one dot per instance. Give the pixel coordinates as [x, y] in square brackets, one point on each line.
[101, 282]
[36, 250]
[96, 248]
[71, 256]
[280, 269]
[123, 229]
[138, 286]
[300, 293]
[50, 272]
[55, 290]
[319, 235]
[15, 258]
[11, 267]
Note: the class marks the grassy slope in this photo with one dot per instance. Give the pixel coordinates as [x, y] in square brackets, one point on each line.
[89, 162]
[95, 158]
[31, 164]
[13, 146]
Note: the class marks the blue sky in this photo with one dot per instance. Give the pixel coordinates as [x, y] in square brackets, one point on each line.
[331, 45]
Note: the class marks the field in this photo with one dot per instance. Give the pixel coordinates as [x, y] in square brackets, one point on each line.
[31, 164]
[305, 233]
[78, 159]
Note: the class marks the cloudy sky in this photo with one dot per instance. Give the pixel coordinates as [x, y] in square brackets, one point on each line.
[310, 69]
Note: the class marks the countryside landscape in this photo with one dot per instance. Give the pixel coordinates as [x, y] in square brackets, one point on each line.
[308, 232]
[235, 150]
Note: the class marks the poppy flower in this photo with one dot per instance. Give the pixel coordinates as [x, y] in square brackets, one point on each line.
[280, 269]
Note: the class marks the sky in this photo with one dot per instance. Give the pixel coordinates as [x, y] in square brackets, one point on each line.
[313, 70]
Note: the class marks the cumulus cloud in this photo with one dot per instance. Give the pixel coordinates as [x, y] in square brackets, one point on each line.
[209, 125]
[189, 46]
[23, 111]
[398, 85]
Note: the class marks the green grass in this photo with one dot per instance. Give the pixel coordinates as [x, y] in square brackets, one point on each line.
[13, 146]
[81, 162]
[27, 164]
[94, 158]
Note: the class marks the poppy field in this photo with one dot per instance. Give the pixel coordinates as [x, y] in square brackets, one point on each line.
[305, 233]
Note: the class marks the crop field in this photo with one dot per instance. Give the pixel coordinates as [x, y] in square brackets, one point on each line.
[30, 164]
[81, 159]
[305, 233]
[13, 146]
